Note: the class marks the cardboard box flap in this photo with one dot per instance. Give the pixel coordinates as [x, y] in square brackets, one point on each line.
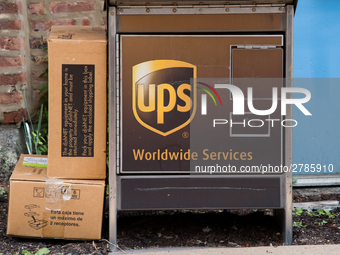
[86, 29]
[86, 182]
[33, 168]
[30, 167]
[77, 36]
[34, 177]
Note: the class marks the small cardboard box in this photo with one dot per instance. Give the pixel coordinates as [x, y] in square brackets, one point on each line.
[42, 207]
[77, 104]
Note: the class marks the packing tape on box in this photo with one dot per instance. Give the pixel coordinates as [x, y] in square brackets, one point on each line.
[56, 191]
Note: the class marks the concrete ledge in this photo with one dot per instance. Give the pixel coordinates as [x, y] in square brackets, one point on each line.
[317, 180]
[328, 204]
[280, 250]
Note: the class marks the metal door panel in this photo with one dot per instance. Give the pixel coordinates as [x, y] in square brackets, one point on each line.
[212, 57]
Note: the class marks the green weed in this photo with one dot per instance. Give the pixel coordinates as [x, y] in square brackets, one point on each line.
[299, 224]
[36, 140]
[329, 214]
[322, 212]
[298, 211]
[3, 193]
[321, 223]
[40, 252]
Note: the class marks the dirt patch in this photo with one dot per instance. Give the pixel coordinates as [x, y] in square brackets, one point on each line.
[198, 228]
[186, 228]
[320, 197]
[317, 230]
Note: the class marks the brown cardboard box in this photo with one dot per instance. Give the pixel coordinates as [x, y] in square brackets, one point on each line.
[77, 105]
[53, 208]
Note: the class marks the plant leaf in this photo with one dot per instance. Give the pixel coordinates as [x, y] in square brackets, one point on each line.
[327, 212]
[321, 212]
[42, 251]
[43, 89]
[28, 113]
[28, 138]
[39, 126]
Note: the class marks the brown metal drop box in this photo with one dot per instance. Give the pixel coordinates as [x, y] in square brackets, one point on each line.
[157, 51]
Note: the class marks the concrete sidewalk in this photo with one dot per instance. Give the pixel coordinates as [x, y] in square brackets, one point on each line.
[268, 250]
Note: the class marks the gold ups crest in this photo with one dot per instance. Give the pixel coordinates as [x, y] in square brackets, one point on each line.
[164, 95]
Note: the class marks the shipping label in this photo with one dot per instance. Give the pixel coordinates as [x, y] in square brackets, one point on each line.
[78, 101]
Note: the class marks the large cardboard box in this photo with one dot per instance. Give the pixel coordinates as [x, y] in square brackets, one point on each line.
[53, 208]
[77, 105]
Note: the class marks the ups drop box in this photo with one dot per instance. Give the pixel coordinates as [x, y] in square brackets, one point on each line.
[42, 207]
[77, 105]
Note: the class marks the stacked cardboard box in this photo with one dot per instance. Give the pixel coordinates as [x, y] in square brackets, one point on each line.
[43, 207]
[77, 104]
[63, 198]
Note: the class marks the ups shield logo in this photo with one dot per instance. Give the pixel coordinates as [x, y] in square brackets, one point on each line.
[164, 93]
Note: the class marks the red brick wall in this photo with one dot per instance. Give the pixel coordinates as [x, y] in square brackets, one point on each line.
[12, 62]
[24, 26]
